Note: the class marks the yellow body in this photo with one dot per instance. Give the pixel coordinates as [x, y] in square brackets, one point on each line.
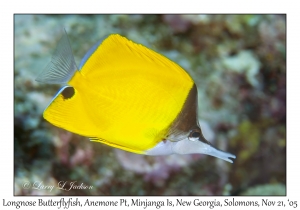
[126, 96]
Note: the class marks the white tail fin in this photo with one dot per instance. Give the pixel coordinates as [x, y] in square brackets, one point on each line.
[62, 66]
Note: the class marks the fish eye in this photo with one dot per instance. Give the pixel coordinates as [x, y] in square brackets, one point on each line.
[194, 135]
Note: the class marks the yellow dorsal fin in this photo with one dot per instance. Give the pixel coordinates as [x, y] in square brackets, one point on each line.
[119, 53]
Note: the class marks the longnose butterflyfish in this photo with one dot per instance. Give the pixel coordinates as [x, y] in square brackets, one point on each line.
[127, 96]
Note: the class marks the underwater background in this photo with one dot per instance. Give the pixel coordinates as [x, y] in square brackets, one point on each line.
[239, 65]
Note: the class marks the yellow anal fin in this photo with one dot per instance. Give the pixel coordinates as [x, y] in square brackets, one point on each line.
[95, 139]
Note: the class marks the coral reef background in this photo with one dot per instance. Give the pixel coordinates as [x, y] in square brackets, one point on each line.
[239, 65]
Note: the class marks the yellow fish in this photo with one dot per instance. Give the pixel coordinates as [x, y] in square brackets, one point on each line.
[126, 96]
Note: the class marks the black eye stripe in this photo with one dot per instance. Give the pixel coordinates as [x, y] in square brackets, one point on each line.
[68, 92]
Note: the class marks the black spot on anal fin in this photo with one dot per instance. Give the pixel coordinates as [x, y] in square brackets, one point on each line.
[68, 92]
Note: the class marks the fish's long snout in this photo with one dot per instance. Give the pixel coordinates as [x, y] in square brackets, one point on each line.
[187, 146]
[220, 154]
